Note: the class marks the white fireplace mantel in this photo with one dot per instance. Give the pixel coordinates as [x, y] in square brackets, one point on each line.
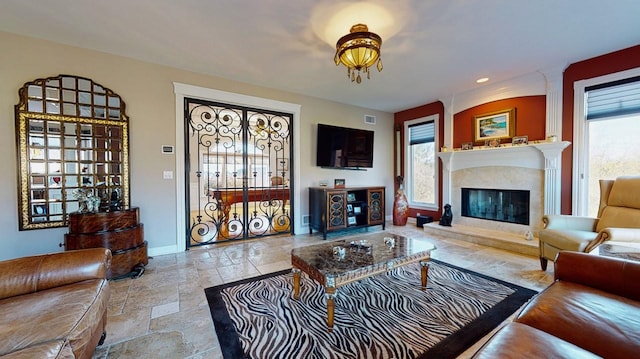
[544, 156]
[528, 156]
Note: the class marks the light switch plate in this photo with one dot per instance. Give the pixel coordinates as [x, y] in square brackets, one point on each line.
[167, 174]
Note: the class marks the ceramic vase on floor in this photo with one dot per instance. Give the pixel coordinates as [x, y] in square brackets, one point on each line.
[400, 205]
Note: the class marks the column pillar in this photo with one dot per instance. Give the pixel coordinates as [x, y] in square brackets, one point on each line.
[552, 152]
[553, 127]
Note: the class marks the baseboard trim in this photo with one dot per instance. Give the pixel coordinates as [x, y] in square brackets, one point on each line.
[158, 251]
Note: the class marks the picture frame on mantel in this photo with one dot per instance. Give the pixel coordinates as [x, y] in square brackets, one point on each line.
[494, 125]
[520, 140]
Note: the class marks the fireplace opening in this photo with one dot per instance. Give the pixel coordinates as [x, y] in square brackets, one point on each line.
[503, 205]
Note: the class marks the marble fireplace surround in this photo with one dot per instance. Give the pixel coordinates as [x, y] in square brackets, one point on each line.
[534, 167]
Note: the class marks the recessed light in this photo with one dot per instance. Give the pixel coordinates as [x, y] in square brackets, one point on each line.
[482, 80]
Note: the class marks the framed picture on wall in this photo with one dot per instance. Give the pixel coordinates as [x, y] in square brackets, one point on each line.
[494, 125]
[339, 183]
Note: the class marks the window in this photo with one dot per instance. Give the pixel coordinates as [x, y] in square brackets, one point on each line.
[421, 162]
[606, 128]
[72, 135]
[613, 129]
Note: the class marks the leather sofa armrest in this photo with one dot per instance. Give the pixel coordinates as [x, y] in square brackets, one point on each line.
[612, 275]
[560, 221]
[31, 274]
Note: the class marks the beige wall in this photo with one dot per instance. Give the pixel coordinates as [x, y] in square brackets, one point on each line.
[148, 92]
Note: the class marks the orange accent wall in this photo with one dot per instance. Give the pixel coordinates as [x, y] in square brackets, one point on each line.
[398, 124]
[530, 114]
[613, 62]
[530, 118]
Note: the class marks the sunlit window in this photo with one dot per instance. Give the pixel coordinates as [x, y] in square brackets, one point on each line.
[612, 129]
[613, 151]
[420, 164]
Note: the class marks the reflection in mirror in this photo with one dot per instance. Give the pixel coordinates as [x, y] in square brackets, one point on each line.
[69, 128]
[53, 141]
[68, 109]
[84, 84]
[84, 97]
[69, 82]
[62, 123]
[35, 91]
[99, 100]
[68, 96]
[53, 107]
[37, 167]
[35, 106]
[99, 113]
[85, 111]
[114, 102]
[52, 94]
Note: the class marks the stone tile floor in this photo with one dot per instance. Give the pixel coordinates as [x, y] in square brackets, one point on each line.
[165, 314]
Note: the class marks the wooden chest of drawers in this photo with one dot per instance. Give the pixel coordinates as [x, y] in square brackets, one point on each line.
[120, 231]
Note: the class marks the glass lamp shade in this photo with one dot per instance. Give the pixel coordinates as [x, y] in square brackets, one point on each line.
[358, 57]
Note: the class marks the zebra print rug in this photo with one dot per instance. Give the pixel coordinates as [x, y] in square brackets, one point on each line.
[385, 316]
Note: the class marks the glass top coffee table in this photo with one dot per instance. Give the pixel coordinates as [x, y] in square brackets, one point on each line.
[337, 263]
[628, 251]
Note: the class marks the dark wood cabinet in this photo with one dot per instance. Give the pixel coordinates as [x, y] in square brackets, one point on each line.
[333, 209]
[120, 231]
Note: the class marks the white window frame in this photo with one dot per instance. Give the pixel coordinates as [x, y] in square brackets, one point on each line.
[421, 205]
[580, 200]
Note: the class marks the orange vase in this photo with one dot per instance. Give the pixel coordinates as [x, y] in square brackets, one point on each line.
[400, 207]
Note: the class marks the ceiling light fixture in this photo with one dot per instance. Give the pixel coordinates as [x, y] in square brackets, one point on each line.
[482, 80]
[358, 51]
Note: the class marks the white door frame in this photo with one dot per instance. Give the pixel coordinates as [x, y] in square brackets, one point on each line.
[183, 90]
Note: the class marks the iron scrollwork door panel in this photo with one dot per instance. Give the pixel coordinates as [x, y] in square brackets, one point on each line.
[239, 172]
[267, 155]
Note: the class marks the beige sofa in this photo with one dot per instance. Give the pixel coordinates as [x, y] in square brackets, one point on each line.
[55, 305]
[618, 221]
[591, 310]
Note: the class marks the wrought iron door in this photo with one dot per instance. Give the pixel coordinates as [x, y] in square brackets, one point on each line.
[238, 164]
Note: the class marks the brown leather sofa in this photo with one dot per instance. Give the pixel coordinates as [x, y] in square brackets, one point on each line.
[54, 305]
[591, 310]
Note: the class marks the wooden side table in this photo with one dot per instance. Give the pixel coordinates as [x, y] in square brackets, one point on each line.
[119, 231]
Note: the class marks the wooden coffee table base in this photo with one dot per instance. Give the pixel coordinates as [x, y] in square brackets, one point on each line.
[331, 290]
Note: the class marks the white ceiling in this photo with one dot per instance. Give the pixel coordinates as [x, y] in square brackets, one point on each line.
[432, 49]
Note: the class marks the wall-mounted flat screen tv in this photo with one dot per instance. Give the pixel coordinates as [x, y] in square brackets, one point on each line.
[341, 147]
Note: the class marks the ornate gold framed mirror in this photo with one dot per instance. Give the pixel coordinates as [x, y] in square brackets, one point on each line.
[72, 136]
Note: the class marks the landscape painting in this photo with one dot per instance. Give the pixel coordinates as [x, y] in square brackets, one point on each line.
[495, 125]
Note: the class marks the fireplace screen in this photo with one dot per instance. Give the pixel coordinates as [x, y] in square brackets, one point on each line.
[504, 205]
